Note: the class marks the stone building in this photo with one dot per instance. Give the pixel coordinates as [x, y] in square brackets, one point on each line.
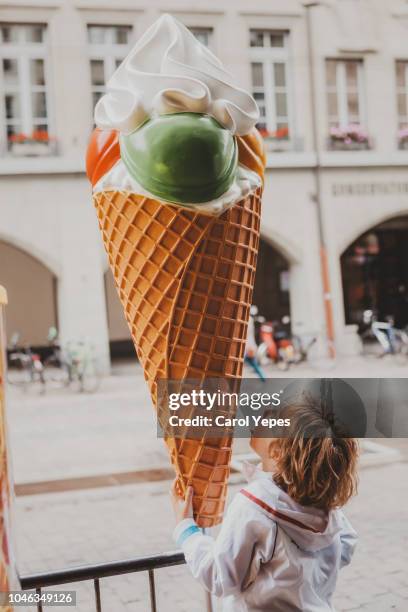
[331, 80]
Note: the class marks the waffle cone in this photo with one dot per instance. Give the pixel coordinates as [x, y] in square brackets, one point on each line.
[185, 281]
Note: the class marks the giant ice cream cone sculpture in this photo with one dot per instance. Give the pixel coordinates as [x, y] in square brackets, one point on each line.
[177, 169]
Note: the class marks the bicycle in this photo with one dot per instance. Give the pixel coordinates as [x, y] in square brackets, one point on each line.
[72, 364]
[386, 337]
[25, 367]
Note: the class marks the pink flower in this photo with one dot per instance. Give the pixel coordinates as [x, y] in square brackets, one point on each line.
[403, 134]
[349, 134]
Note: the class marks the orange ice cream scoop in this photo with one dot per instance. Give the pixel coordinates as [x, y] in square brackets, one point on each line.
[251, 152]
[102, 154]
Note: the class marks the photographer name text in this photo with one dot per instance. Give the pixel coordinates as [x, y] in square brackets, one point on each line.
[221, 420]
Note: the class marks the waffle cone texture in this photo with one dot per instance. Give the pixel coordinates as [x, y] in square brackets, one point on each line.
[185, 280]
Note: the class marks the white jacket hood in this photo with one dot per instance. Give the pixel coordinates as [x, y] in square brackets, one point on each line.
[310, 528]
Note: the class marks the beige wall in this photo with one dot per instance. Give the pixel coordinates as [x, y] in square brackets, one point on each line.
[46, 206]
[52, 217]
[31, 289]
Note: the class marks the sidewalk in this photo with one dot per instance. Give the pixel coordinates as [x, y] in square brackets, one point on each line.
[112, 433]
[57, 530]
[69, 435]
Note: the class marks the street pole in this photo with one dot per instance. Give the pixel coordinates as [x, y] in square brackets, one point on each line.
[324, 266]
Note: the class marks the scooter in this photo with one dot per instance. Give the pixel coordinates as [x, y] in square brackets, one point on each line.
[280, 346]
[276, 345]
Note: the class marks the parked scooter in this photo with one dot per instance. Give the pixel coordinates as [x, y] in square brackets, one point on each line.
[280, 346]
[275, 346]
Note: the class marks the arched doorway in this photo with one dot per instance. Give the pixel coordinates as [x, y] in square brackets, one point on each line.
[271, 291]
[375, 273]
[32, 295]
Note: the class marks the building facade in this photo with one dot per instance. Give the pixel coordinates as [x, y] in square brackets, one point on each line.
[331, 81]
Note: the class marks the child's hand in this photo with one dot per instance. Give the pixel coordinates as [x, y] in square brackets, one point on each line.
[183, 508]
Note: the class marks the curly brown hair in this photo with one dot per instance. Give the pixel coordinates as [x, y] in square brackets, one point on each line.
[314, 464]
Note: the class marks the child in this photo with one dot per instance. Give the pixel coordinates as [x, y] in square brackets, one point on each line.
[284, 537]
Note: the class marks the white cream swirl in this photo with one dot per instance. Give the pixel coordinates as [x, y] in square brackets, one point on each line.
[169, 71]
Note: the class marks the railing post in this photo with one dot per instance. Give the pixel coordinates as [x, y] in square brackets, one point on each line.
[8, 576]
[152, 589]
[97, 588]
[39, 605]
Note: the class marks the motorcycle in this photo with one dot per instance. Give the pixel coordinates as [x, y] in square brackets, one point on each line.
[280, 346]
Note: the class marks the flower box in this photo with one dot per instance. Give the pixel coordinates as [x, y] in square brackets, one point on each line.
[336, 145]
[350, 138]
[403, 139]
[274, 144]
[30, 149]
[280, 141]
[37, 145]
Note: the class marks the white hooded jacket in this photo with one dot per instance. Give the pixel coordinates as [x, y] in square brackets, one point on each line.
[271, 554]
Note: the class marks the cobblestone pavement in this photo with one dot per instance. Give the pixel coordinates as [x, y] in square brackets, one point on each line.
[64, 435]
[66, 529]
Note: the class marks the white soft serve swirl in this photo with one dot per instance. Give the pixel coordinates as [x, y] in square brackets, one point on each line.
[169, 71]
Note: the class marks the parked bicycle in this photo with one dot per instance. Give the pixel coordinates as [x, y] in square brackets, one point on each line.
[25, 367]
[381, 338]
[71, 365]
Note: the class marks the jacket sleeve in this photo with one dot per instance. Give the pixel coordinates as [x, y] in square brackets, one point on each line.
[229, 564]
[348, 539]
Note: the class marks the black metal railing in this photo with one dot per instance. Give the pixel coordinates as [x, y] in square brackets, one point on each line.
[148, 564]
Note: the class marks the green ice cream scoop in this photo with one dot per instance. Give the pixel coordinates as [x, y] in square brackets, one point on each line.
[183, 157]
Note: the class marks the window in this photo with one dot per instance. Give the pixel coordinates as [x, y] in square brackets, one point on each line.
[344, 92]
[270, 87]
[401, 67]
[24, 83]
[203, 35]
[345, 105]
[108, 48]
[402, 93]
[262, 38]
